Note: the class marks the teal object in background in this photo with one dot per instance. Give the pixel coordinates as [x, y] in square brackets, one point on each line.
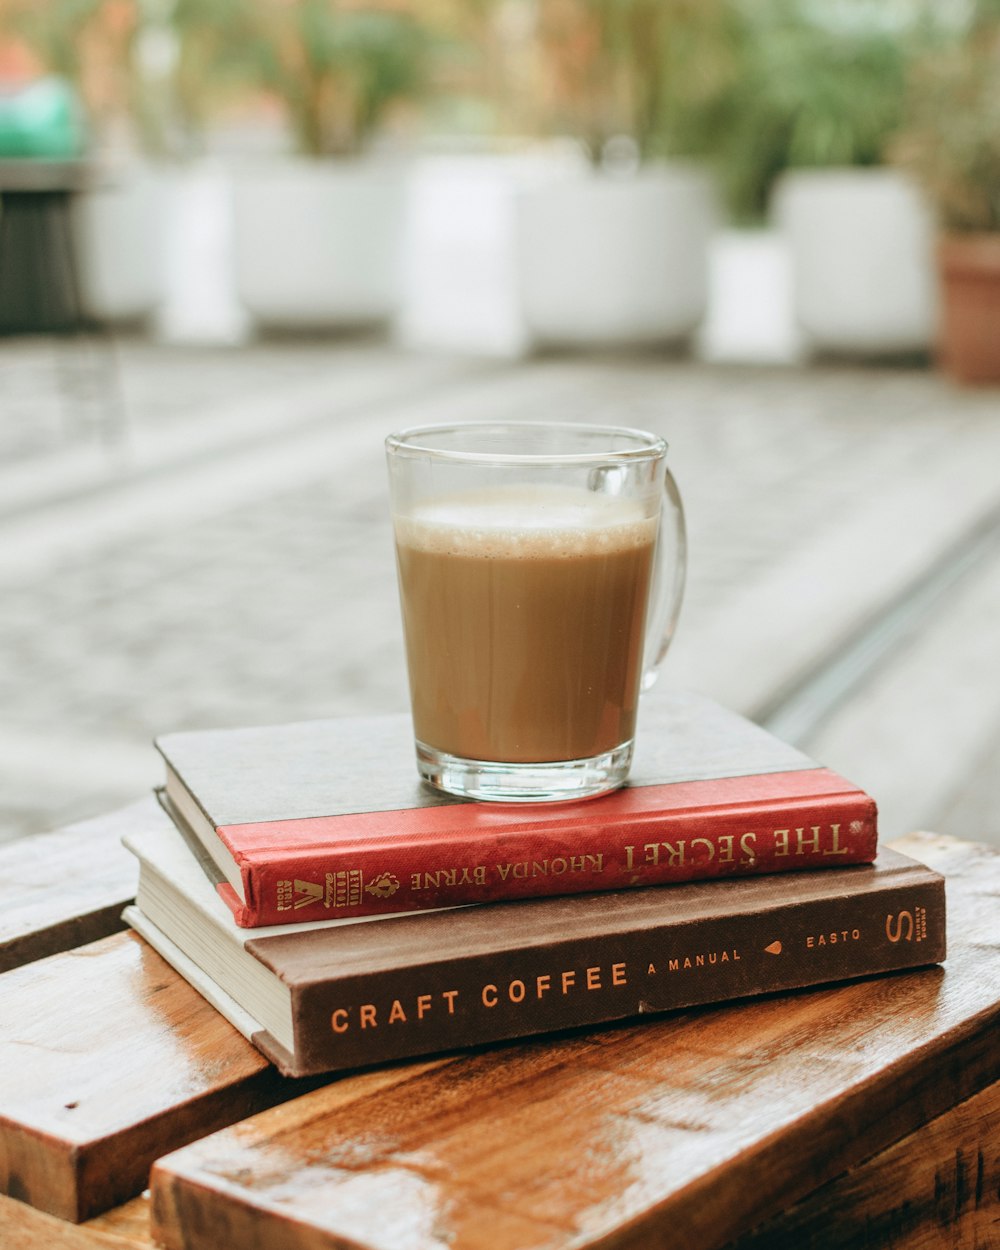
[41, 120]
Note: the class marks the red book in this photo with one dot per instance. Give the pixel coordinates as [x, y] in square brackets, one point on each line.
[326, 819]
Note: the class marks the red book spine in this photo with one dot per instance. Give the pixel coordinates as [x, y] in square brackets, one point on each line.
[375, 863]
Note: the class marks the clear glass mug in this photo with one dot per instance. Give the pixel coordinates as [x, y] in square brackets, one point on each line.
[541, 570]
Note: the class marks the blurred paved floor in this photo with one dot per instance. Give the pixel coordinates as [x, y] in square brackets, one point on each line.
[231, 561]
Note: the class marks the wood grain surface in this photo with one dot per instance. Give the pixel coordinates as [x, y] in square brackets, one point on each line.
[107, 1060]
[130, 1222]
[24, 1228]
[937, 1189]
[685, 1132]
[63, 889]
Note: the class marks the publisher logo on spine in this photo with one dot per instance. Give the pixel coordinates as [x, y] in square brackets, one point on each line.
[907, 926]
[336, 890]
[307, 892]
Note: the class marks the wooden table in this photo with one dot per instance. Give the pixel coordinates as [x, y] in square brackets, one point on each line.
[861, 1115]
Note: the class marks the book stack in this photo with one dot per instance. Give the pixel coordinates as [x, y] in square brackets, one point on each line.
[340, 914]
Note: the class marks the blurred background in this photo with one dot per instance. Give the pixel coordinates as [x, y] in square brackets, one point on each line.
[243, 240]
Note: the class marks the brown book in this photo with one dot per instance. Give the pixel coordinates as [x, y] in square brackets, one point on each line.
[328, 818]
[341, 994]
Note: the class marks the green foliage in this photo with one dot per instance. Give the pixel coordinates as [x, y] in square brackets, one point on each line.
[675, 55]
[756, 86]
[632, 38]
[623, 67]
[798, 90]
[335, 69]
[951, 141]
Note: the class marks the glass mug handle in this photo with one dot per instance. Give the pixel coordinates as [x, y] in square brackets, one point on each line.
[668, 581]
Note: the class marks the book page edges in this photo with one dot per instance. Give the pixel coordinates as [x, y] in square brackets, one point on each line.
[188, 814]
[167, 856]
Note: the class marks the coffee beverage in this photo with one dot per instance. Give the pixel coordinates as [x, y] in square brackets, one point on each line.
[524, 610]
[526, 554]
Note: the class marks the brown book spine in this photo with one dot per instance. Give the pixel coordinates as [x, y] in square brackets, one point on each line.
[465, 999]
[426, 858]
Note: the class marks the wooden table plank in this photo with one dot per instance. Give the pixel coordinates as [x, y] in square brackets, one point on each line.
[937, 1189]
[107, 1060]
[64, 889]
[129, 1222]
[24, 1228]
[612, 1138]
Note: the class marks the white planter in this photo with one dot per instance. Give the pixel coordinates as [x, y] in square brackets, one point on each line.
[749, 318]
[120, 230]
[460, 290]
[861, 246]
[615, 260]
[200, 304]
[317, 242]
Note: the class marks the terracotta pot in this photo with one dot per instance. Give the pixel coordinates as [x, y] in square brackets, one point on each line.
[969, 265]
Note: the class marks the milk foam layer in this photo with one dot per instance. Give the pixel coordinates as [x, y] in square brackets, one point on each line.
[526, 522]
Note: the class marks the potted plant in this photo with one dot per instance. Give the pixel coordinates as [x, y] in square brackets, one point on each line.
[615, 253]
[951, 142]
[801, 130]
[317, 231]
